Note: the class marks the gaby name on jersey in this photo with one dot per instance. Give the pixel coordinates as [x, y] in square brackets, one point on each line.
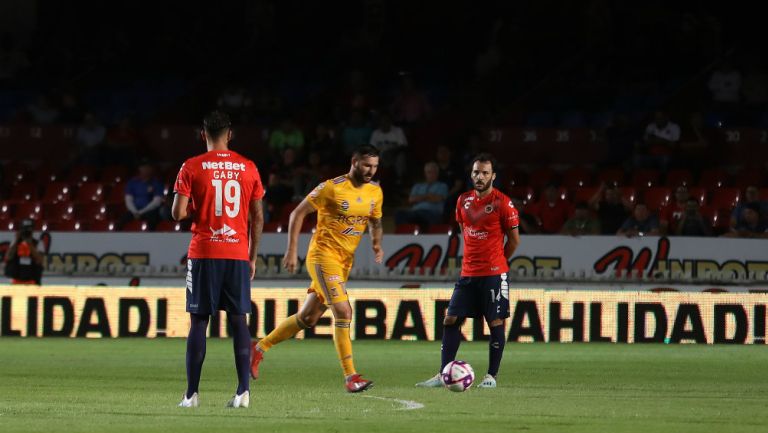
[224, 169]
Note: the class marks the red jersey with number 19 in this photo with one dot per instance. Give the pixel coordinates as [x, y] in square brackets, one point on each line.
[220, 186]
[484, 223]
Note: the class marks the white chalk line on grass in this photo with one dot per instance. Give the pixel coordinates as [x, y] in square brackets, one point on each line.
[407, 404]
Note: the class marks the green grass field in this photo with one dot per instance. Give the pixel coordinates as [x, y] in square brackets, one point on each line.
[75, 385]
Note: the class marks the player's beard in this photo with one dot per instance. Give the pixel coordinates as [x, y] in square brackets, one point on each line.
[359, 177]
[484, 188]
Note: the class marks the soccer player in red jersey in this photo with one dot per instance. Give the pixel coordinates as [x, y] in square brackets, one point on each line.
[486, 216]
[220, 190]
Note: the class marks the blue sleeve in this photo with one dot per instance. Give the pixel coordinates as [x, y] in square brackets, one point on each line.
[130, 188]
[441, 189]
[417, 189]
[159, 188]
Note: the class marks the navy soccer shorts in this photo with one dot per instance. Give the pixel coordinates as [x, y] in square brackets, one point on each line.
[218, 284]
[486, 296]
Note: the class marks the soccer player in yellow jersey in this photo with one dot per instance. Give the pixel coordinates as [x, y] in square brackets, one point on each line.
[345, 206]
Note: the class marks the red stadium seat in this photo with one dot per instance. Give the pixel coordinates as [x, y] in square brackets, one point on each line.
[680, 176]
[657, 197]
[699, 194]
[763, 194]
[308, 226]
[440, 229]
[114, 174]
[612, 176]
[540, 177]
[285, 213]
[629, 193]
[89, 192]
[725, 198]
[168, 226]
[720, 219]
[749, 177]
[46, 172]
[645, 178]
[577, 177]
[24, 191]
[91, 211]
[713, 178]
[135, 226]
[102, 226]
[81, 174]
[6, 210]
[517, 178]
[6, 224]
[584, 194]
[407, 229]
[56, 192]
[28, 210]
[273, 227]
[68, 226]
[525, 193]
[61, 211]
[14, 173]
[116, 194]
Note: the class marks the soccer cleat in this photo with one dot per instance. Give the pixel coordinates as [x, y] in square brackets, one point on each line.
[433, 382]
[355, 383]
[488, 382]
[256, 357]
[189, 402]
[242, 400]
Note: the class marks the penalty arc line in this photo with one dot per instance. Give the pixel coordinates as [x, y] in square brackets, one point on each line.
[407, 404]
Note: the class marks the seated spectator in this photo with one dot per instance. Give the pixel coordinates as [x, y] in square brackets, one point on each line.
[285, 179]
[287, 135]
[691, 221]
[391, 142]
[660, 139]
[236, 101]
[751, 195]
[325, 142]
[551, 211]
[725, 85]
[670, 215]
[752, 226]
[356, 133]
[313, 173]
[426, 199]
[143, 197]
[528, 224]
[582, 223]
[641, 223]
[612, 209]
[90, 137]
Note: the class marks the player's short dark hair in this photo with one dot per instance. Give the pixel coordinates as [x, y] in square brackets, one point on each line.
[216, 123]
[365, 150]
[485, 157]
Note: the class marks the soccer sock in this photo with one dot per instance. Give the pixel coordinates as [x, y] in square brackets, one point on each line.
[495, 349]
[241, 340]
[195, 351]
[285, 330]
[343, 344]
[451, 341]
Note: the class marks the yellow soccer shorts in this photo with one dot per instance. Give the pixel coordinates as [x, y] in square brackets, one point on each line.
[329, 279]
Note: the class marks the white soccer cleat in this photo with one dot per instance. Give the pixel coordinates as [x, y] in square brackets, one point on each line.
[488, 382]
[433, 382]
[242, 400]
[189, 402]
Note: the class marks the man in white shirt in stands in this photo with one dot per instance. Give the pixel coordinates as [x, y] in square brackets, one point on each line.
[391, 142]
[659, 140]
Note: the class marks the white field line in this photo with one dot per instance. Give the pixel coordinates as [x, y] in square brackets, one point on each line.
[407, 404]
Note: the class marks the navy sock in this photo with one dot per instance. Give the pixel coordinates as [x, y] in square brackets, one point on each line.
[495, 349]
[241, 340]
[451, 341]
[195, 351]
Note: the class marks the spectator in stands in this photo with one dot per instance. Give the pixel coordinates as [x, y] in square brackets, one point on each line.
[411, 104]
[751, 195]
[325, 142]
[311, 174]
[356, 133]
[426, 200]
[236, 101]
[692, 222]
[612, 209]
[670, 215]
[90, 137]
[582, 223]
[286, 136]
[23, 261]
[660, 139]
[391, 142]
[285, 179]
[451, 174]
[528, 224]
[143, 197]
[725, 85]
[753, 226]
[42, 111]
[551, 211]
[641, 223]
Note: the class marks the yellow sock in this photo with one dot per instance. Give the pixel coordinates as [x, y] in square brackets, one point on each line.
[285, 330]
[343, 343]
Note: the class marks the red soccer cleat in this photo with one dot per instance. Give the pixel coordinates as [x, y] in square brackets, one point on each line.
[355, 383]
[256, 357]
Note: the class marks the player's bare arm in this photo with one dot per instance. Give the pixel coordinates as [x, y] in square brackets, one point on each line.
[179, 209]
[513, 240]
[290, 259]
[256, 215]
[377, 232]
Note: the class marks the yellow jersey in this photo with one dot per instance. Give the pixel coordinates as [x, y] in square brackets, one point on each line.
[342, 216]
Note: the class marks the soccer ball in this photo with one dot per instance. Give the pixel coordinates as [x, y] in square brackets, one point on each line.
[457, 376]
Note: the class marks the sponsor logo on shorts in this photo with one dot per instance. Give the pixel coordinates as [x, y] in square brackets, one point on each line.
[333, 278]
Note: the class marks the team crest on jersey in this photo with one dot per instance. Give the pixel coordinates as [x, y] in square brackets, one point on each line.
[344, 205]
[359, 200]
[488, 208]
